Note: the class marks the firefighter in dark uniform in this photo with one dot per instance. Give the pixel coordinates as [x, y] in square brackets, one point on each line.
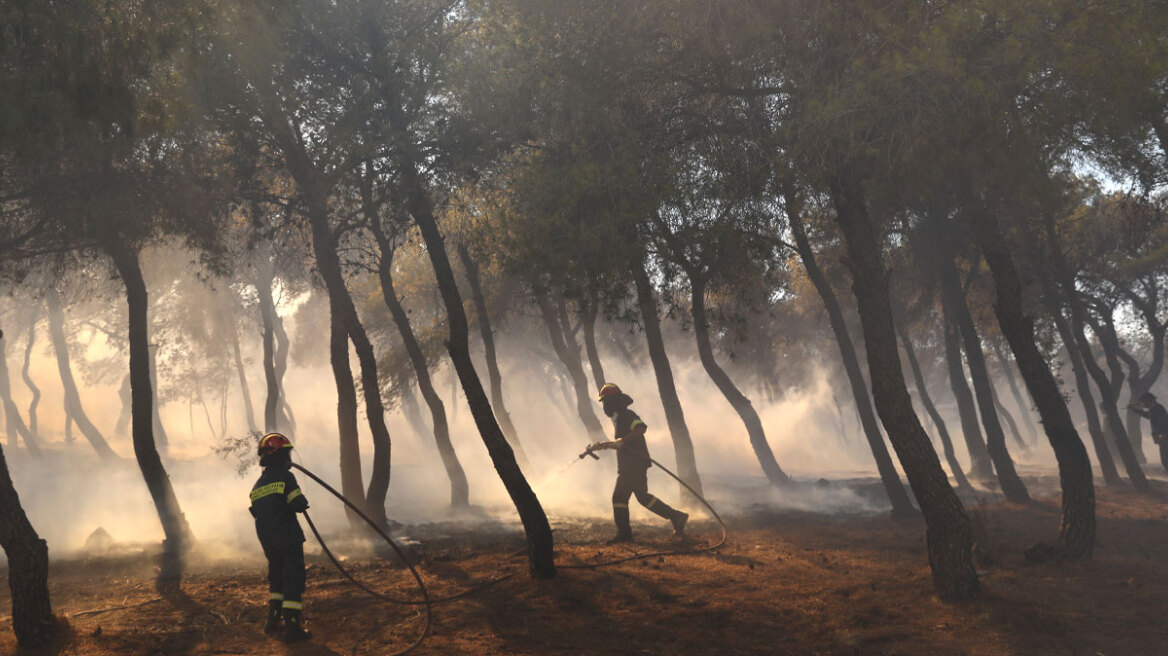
[632, 466]
[1147, 408]
[275, 500]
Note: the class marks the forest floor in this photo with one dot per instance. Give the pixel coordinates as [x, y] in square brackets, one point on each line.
[785, 583]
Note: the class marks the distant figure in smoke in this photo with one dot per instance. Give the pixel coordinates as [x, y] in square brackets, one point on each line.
[1147, 408]
[632, 466]
[275, 500]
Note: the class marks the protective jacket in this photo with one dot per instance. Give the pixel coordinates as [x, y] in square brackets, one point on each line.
[275, 500]
[1159, 417]
[629, 431]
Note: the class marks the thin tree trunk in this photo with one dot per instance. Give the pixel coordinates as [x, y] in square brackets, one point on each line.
[1077, 523]
[1010, 422]
[459, 489]
[72, 397]
[979, 461]
[28, 382]
[889, 477]
[157, 429]
[413, 413]
[737, 400]
[174, 523]
[286, 417]
[28, 568]
[125, 397]
[237, 353]
[1087, 399]
[569, 354]
[15, 425]
[934, 416]
[954, 299]
[494, 377]
[1023, 406]
[949, 535]
[683, 448]
[268, 319]
[588, 314]
[540, 543]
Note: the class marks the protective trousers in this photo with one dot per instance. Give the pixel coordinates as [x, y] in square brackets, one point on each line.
[286, 573]
[637, 484]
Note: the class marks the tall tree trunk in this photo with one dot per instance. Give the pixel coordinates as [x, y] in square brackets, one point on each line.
[934, 415]
[28, 382]
[949, 535]
[569, 354]
[378, 491]
[901, 504]
[125, 397]
[954, 300]
[683, 448]
[1139, 384]
[494, 377]
[459, 490]
[174, 523]
[413, 413]
[72, 397]
[1023, 406]
[1011, 423]
[286, 417]
[540, 552]
[15, 425]
[737, 400]
[588, 315]
[157, 429]
[979, 461]
[28, 568]
[1077, 523]
[233, 334]
[268, 320]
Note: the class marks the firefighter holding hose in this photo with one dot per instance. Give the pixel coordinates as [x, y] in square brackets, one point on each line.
[275, 500]
[632, 462]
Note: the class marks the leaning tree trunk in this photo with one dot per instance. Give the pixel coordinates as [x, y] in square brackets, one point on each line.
[683, 448]
[72, 397]
[1023, 407]
[1005, 414]
[738, 400]
[28, 568]
[158, 430]
[540, 552]
[588, 315]
[237, 353]
[949, 535]
[125, 397]
[28, 382]
[569, 354]
[1077, 523]
[267, 305]
[494, 377]
[934, 415]
[954, 301]
[174, 524]
[15, 424]
[459, 489]
[979, 456]
[283, 345]
[901, 504]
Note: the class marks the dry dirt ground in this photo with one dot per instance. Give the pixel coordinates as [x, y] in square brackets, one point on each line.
[785, 583]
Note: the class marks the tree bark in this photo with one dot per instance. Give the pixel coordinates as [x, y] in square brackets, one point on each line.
[28, 382]
[955, 308]
[588, 315]
[889, 477]
[540, 552]
[683, 448]
[28, 568]
[15, 425]
[1077, 523]
[934, 415]
[494, 377]
[72, 397]
[737, 400]
[949, 535]
[174, 523]
[569, 354]
[268, 320]
[459, 489]
[979, 460]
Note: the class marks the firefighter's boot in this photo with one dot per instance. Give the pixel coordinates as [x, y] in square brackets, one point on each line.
[275, 618]
[679, 519]
[624, 532]
[294, 626]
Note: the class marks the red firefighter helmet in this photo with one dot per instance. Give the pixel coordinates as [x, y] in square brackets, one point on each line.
[608, 390]
[273, 442]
